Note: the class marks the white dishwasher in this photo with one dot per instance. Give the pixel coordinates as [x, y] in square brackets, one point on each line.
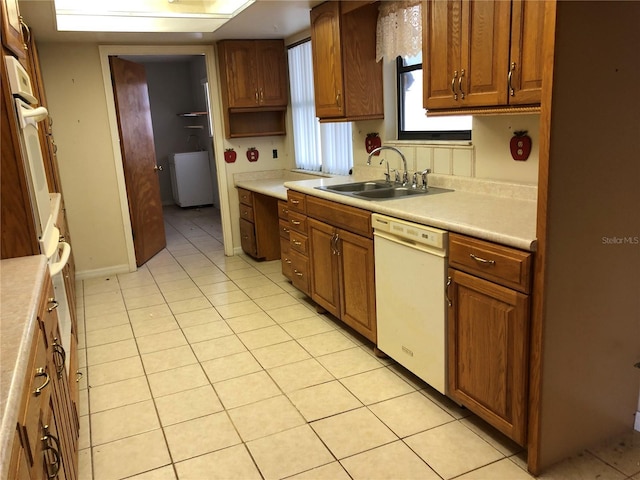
[411, 273]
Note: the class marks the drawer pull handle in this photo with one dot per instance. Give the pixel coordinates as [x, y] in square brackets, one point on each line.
[482, 260]
[59, 351]
[41, 372]
[285, 229]
[287, 261]
[446, 291]
[52, 467]
[297, 273]
[296, 243]
[296, 222]
[53, 304]
[295, 202]
[245, 237]
[285, 211]
[79, 376]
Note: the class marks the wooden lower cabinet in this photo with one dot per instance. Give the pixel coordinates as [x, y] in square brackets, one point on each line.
[259, 230]
[342, 279]
[488, 327]
[46, 440]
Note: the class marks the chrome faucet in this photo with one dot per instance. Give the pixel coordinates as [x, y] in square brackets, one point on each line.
[405, 175]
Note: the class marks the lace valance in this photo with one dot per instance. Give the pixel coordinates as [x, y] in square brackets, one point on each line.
[399, 29]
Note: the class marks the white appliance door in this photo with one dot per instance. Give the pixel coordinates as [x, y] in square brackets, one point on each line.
[411, 312]
[37, 178]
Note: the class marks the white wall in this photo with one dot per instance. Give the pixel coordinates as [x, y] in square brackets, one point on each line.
[73, 83]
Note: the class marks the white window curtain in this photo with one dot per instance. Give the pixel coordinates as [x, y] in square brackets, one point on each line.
[399, 29]
[325, 147]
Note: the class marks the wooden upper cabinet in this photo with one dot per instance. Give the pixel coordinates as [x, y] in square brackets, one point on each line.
[525, 67]
[12, 29]
[255, 72]
[254, 85]
[272, 71]
[327, 60]
[347, 78]
[482, 53]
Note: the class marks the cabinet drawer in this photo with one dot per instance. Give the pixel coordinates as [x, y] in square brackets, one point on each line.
[246, 212]
[298, 222]
[285, 257]
[283, 209]
[298, 242]
[284, 229]
[349, 218]
[497, 263]
[245, 196]
[299, 271]
[297, 201]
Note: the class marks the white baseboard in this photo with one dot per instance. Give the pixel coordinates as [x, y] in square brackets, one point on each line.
[637, 425]
[102, 272]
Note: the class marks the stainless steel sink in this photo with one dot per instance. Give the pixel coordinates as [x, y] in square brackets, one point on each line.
[380, 190]
[357, 186]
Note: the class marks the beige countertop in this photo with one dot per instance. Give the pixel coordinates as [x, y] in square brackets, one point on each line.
[21, 282]
[508, 218]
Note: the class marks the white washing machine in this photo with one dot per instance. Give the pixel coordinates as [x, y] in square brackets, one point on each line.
[191, 180]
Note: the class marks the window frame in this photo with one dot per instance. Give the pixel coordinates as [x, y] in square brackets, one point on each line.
[439, 135]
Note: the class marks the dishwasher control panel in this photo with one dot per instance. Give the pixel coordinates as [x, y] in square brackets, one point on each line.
[409, 231]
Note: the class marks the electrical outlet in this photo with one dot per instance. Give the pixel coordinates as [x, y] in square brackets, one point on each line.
[275, 153]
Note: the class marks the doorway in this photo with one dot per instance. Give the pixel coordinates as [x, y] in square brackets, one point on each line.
[187, 133]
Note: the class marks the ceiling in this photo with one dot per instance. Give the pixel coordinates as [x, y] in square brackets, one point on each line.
[263, 19]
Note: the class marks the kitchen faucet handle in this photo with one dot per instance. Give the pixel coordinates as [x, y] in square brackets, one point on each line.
[424, 178]
[414, 184]
[396, 174]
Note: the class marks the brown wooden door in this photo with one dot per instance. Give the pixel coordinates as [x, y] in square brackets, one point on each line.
[240, 66]
[357, 278]
[272, 71]
[327, 60]
[441, 53]
[138, 157]
[324, 266]
[527, 26]
[488, 351]
[485, 53]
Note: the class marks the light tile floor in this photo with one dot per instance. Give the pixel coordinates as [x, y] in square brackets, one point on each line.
[200, 366]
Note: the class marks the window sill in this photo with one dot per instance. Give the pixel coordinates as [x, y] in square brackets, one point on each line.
[431, 143]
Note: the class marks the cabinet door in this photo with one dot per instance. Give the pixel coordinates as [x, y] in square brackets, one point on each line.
[482, 80]
[272, 72]
[357, 283]
[441, 53]
[248, 238]
[488, 351]
[239, 61]
[525, 67]
[12, 29]
[327, 60]
[323, 261]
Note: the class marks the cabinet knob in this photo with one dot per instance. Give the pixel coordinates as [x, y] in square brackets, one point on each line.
[157, 168]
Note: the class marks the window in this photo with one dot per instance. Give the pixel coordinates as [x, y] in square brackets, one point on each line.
[320, 147]
[413, 124]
